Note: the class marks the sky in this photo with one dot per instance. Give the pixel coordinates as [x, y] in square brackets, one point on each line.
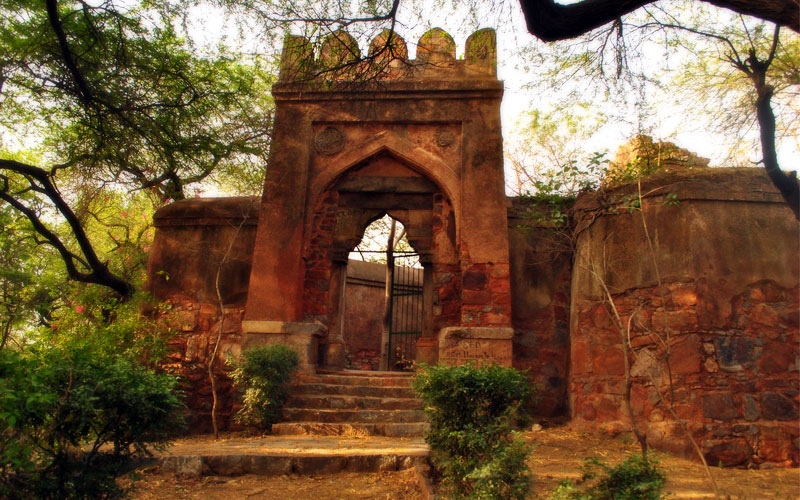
[522, 67]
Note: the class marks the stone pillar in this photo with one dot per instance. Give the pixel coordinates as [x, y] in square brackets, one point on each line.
[276, 280]
[334, 355]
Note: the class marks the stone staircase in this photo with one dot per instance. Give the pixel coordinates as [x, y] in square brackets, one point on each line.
[353, 403]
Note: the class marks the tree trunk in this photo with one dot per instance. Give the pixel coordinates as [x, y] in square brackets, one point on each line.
[387, 302]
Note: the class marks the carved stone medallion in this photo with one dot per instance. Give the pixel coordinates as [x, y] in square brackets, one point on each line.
[329, 141]
[444, 137]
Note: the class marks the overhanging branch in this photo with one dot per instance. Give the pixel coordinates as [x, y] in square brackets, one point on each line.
[551, 21]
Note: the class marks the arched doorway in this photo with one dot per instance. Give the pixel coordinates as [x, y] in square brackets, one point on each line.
[384, 307]
[377, 191]
[424, 147]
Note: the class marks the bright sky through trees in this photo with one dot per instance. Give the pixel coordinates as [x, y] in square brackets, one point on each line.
[525, 64]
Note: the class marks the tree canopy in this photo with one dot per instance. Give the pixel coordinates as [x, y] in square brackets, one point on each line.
[109, 97]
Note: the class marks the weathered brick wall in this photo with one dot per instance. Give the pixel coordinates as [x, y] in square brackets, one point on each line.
[317, 261]
[540, 279]
[727, 260]
[190, 248]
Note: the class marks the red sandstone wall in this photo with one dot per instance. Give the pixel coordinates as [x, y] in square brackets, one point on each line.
[540, 280]
[363, 320]
[192, 238]
[729, 263]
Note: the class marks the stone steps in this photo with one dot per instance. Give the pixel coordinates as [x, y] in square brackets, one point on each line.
[353, 403]
[278, 455]
[352, 416]
[354, 390]
[336, 402]
[403, 430]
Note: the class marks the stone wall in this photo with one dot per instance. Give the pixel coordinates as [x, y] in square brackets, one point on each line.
[541, 268]
[717, 296]
[728, 263]
[195, 241]
[363, 313]
[192, 238]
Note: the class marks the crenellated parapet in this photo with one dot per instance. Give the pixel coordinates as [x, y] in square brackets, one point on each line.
[338, 58]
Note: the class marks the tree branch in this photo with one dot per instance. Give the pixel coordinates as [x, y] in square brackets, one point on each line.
[550, 21]
[99, 273]
[85, 93]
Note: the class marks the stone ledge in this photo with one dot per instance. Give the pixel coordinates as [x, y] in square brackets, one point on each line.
[284, 463]
[282, 327]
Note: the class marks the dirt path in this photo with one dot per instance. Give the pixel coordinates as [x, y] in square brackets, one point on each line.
[558, 455]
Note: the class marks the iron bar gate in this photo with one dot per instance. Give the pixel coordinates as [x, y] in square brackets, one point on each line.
[405, 302]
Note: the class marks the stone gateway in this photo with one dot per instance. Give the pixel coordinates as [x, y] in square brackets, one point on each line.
[356, 139]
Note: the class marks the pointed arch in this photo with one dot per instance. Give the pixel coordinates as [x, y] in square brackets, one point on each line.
[416, 158]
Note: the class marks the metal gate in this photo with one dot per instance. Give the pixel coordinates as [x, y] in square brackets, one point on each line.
[405, 302]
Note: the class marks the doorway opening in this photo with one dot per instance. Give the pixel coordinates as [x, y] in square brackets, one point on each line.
[384, 299]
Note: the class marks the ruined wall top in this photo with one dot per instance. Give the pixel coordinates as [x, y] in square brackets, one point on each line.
[338, 58]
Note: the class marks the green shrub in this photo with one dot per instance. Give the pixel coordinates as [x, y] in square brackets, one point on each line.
[263, 375]
[472, 411]
[632, 479]
[73, 416]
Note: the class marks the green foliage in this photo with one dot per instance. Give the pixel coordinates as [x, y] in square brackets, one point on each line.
[633, 479]
[472, 411]
[73, 415]
[140, 107]
[263, 375]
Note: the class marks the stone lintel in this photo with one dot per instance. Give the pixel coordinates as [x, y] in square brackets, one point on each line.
[302, 337]
[459, 345]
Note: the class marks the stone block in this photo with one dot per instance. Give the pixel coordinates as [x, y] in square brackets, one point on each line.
[777, 406]
[719, 406]
[321, 464]
[184, 465]
[685, 356]
[476, 297]
[474, 280]
[729, 453]
[734, 353]
[778, 444]
[776, 358]
[481, 345]
[676, 320]
[302, 337]
[751, 410]
[609, 362]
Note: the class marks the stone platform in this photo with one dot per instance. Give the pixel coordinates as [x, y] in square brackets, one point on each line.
[279, 455]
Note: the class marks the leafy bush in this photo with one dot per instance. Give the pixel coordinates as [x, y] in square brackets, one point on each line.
[472, 411]
[263, 374]
[633, 479]
[72, 417]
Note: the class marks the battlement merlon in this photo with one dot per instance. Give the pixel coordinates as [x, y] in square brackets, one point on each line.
[339, 60]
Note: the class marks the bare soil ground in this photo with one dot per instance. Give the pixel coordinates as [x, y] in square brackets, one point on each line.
[558, 454]
[345, 486]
